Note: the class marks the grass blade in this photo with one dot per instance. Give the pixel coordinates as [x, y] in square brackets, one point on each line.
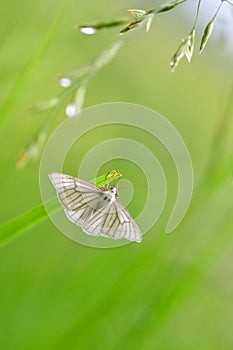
[18, 225]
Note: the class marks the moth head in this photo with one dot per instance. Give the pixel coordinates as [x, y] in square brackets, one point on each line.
[114, 191]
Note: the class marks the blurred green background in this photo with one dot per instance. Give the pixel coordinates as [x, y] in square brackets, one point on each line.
[169, 292]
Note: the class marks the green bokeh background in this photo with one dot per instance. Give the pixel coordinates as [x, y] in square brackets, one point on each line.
[169, 292]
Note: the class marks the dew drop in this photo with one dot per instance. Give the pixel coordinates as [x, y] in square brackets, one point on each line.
[65, 82]
[70, 110]
[87, 30]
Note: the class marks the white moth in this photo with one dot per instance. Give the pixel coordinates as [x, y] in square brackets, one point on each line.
[94, 208]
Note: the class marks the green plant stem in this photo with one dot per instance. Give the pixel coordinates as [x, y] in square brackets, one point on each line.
[197, 13]
[227, 1]
[21, 223]
[18, 225]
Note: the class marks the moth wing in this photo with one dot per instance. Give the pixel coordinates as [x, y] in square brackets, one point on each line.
[113, 221]
[76, 194]
[83, 205]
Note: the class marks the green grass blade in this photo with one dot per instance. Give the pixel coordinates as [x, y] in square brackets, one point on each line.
[107, 179]
[18, 225]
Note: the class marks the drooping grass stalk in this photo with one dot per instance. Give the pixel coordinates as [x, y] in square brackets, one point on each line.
[77, 80]
[32, 217]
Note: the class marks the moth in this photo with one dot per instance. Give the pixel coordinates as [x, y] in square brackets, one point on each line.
[95, 209]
